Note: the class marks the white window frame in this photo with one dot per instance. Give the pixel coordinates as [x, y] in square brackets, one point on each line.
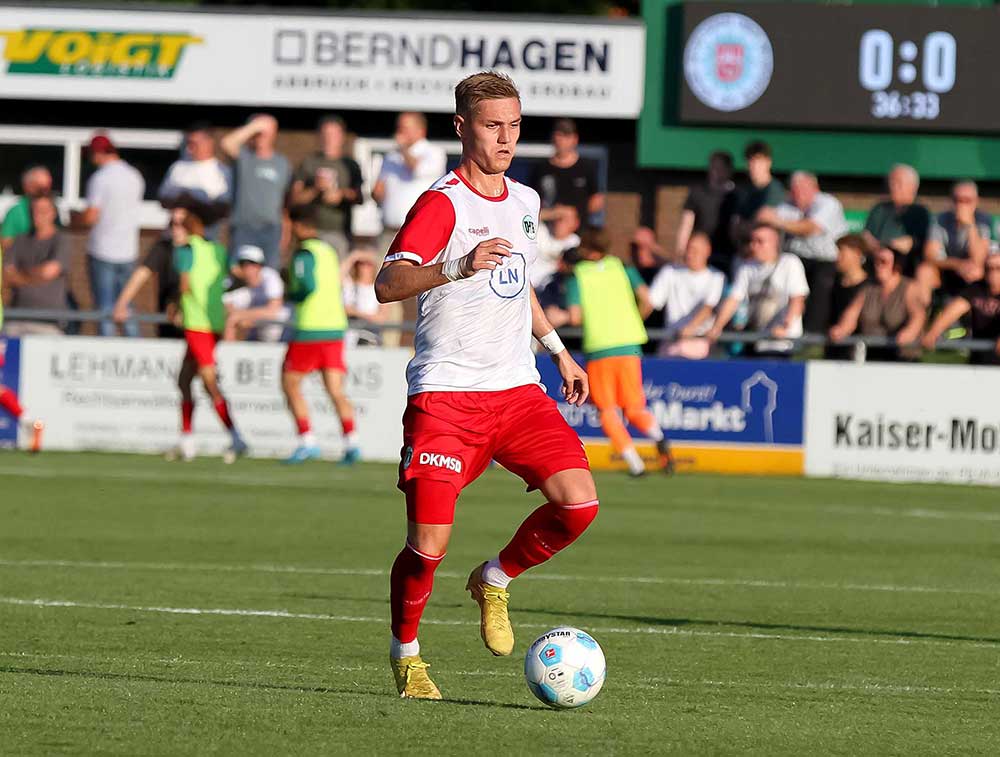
[73, 140]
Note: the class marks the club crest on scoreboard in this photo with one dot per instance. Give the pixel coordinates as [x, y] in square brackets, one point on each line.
[728, 61]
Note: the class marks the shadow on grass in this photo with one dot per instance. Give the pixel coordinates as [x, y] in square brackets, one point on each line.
[760, 626]
[256, 685]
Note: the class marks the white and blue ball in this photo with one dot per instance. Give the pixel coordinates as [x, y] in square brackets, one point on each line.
[565, 668]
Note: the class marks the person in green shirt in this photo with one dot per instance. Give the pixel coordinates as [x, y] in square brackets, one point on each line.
[763, 191]
[35, 182]
[202, 267]
[900, 222]
[610, 300]
[317, 342]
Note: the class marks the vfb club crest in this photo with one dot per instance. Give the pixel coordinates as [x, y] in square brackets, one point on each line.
[728, 61]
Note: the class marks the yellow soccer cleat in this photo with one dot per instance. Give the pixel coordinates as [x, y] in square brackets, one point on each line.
[494, 624]
[412, 681]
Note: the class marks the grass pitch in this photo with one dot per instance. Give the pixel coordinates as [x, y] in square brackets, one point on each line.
[154, 608]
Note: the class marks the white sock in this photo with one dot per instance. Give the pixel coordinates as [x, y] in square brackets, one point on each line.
[493, 574]
[635, 464]
[308, 439]
[655, 433]
[351, 439]
[398, 650]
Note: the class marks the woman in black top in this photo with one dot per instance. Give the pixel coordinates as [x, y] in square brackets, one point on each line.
[981, 300]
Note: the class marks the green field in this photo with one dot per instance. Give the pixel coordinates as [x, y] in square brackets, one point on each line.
[155, 608]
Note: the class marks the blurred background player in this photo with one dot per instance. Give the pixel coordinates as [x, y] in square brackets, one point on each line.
[474, 392]
[610, 301]
[202, 268]
[317, 342]
[9, 401]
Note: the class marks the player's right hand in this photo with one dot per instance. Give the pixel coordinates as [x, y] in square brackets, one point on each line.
[488, 254]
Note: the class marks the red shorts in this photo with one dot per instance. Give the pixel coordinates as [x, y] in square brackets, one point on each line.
[201, 347]
[306, 357]
[452, 436]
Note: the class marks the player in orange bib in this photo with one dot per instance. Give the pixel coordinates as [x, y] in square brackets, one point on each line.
[474, 391]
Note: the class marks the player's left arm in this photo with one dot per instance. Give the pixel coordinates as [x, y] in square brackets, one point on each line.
[575, 386]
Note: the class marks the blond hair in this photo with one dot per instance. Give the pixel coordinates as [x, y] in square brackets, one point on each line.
[486, 85]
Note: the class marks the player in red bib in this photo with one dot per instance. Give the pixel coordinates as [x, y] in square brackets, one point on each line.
[474, 392]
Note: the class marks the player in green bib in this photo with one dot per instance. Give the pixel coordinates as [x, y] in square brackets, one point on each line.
[610, 301]
[203, 267]
[317, 342]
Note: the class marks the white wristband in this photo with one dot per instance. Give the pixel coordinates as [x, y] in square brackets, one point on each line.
[452, 269]
[552, 343]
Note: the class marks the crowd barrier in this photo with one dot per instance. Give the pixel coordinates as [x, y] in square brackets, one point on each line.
[822, 418]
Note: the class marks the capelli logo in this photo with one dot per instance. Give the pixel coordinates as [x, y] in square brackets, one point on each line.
[482, 231]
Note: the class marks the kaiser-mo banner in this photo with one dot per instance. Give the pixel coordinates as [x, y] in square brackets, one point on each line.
[381, 62]
[904, 422]
[735, 416]
[121, 394]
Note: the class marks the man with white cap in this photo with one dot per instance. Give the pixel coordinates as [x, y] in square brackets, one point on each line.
[261, 298]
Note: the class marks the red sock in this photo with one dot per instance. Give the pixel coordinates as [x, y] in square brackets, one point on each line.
[8, 401]
[550, 529]
[223, 410]
[410, 582]
[348, 425]
[303, 425]
[187, 416]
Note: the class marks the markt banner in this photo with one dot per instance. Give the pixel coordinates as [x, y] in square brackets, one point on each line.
[387, 62]
[903, 422]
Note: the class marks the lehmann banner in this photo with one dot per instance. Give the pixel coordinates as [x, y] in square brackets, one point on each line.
[577, 68]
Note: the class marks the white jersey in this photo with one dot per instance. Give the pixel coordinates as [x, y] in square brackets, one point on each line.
[473, 334]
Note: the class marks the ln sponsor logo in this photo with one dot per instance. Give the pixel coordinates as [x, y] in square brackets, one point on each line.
[437, 460]
[507, 279]
[728, 61]
[94, 52]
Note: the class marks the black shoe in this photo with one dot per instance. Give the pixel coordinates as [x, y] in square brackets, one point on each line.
[666, 456]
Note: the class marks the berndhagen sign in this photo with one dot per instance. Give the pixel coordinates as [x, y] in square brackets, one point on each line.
[576, 68]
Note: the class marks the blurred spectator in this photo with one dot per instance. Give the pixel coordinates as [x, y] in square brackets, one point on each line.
[554, 238]
[566, 178]
[406, 172]
[763, 191]
[900, 222]
[892, 305]
[159, 262]
[114, 206]
[360, 269]
[852, 252]
[706, 207]
[199, 181]
[35, 267]
[262, 176]
[774, 284]
[959, 243]
[690, 293]
[812, 221]
[331, 181]
[981, 302]
[259, 296]
[35, 182]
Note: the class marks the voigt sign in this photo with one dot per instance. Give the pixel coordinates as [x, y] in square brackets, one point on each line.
[389, 62]
[903, 422]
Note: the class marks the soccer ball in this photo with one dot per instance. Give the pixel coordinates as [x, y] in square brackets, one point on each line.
[565, 668]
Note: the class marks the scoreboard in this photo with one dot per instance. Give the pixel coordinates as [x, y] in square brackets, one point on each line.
[881, 67]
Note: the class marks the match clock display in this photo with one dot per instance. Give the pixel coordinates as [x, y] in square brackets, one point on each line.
[896, 67]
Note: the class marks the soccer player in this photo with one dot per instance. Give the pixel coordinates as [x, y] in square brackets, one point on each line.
[318, 341]
[202, 266]
[9, 401]
[610, 301]
[474, 393]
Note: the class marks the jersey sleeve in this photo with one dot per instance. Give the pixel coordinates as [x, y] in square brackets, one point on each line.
[633, 277]
[183, 259]
[426, 231]
[572, 291]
